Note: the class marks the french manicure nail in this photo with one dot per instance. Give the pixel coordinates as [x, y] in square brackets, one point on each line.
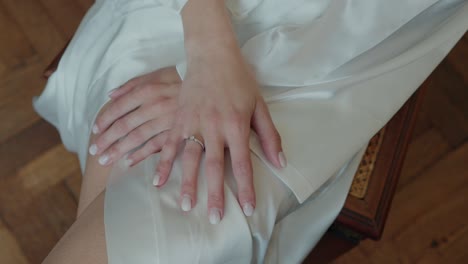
[93, 149]
[215, 216]
[156, 180]
[95, 129]
[248, 209]
[186, 203]
[104, 159]
[282, 160]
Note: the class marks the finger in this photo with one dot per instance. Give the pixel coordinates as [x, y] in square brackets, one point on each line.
[167, 75]
[118, 108]
[135, 138]
[268, 135]
[238, 144]
[168, 155]
[130, 122]
[152, 146]
[123, 89]
[214, 168]
[190, 164]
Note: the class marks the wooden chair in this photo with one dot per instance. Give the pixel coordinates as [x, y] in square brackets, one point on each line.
[373, 188]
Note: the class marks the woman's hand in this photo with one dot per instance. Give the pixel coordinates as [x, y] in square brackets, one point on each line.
[218, 102]
[141, 110]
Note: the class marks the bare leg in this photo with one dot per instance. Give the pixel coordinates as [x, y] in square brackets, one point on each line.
[85, 241]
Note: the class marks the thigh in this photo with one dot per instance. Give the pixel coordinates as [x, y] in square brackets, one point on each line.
[94, 179]
[85, 241]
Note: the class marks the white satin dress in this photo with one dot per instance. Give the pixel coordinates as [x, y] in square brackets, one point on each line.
[333, 72]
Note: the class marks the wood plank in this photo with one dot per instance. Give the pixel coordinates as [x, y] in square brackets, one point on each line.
[354, 256]
[390, 254]
[456, 87]
[431, 189]
[428, 232]
[10, 252]
[458, 58]
[444, 115]
[422, 152]
[16, 110]
[447, 252]
[423, 121]
[26, 146]
[15, 48]
[37, 221]
[456, 251]
[66, 15]
[44, 171]
[86, 4]
[3, 69]
[37, 26]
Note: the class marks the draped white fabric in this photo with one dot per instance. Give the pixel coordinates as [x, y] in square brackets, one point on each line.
[332, 71]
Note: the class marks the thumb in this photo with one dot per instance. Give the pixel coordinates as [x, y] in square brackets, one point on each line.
[268, 135]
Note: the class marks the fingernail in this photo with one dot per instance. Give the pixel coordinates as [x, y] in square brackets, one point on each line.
[248, 209]
[186, 203]
[156, 180]
[111, 92]
[282, 160]
[93, 149]
[104, 159]
[215, 216]
[95, 129]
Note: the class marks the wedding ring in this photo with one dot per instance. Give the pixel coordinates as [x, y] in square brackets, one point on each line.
[195, 139]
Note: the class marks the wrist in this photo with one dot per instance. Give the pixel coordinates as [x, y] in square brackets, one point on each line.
[208, 31]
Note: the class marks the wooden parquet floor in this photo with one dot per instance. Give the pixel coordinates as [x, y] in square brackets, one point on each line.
[40, 180]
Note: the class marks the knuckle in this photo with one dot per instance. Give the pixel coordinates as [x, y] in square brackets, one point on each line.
[115, 150]
[116, 105]
[236, 122]
[212, 116]
[164, 167]
[242, 168]
[246, 195]
[121, 126]
[276, 137]
[215, 198]
[136, 136]
[235, 117]
[170, 144]
[154, 144]
[188, 186]
[214, 165]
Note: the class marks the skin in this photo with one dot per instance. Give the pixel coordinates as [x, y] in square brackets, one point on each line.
[219, 105]
[85, 241]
